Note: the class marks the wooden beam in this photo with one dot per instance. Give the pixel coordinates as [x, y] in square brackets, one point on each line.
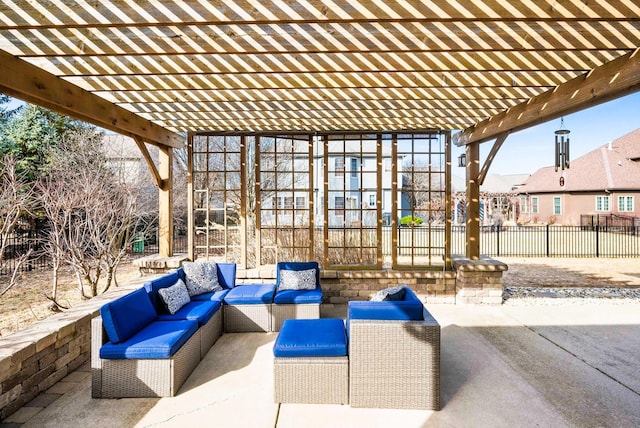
[612, 80]
[34, 85]
[165, 203]
[155, 175]
[492, 154]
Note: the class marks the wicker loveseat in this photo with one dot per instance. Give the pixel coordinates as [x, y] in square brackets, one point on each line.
[394, 354]
[135, 352]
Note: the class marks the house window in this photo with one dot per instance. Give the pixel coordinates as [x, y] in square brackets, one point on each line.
[354, 168]
[625, 203]
[524, 204]
[602, 203]
[339, 205]
[300, 202]
[372, 200]
[534, 205]
[387, 165]
[557, 205]
[339, 166]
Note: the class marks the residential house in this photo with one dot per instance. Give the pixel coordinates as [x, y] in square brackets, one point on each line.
[499, 202]
[604, 183]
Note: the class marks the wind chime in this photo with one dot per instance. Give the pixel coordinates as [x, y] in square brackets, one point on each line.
[562, 147]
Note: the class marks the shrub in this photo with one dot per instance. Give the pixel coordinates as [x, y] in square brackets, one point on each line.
[409, 220]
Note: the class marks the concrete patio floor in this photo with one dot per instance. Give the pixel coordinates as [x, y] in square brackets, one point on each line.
[561, 365]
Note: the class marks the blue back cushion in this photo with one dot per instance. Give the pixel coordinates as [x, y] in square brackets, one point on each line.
[297, 266]
[227, 274]
[164, 281]
[127, 315]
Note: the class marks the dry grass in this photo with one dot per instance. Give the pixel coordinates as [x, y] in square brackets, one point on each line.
[26, 303]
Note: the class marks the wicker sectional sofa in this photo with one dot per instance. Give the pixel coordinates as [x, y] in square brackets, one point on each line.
[140, 350]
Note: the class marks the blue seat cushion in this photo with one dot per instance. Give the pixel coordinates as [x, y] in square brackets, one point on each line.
[324, 337]
[160, 339]
[200, 311]
[298, 296]
[126, 315]
[250, 294]
[215, 296]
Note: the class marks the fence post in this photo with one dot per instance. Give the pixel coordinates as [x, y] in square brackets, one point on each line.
[498, 241]
[548, 244]
[598, 240]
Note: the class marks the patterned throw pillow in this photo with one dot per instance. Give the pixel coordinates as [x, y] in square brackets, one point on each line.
[201, 277]
[389, 294]
[174, 297]
[297, 279]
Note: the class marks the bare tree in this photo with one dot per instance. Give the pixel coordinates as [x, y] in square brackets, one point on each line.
[93, 217]
[16, 199]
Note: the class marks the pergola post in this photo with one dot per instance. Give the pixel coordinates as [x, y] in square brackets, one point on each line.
[473, 201]
[165, 202]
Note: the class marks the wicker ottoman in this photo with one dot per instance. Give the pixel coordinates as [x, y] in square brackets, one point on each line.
[311, 364]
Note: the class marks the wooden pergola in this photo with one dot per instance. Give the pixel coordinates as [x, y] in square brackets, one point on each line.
[155, 70]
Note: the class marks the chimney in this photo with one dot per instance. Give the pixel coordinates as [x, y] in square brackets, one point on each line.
[610, 145]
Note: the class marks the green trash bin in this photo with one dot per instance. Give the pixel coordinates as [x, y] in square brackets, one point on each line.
[138, 245]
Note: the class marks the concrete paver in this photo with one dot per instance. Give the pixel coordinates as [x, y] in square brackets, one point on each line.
[501, 366]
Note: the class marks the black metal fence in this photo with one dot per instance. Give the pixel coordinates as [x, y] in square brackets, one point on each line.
[554, 241]
[587, 240]
[22, 244]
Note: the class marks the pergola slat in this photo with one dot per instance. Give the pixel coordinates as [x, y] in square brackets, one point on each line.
[285, 37]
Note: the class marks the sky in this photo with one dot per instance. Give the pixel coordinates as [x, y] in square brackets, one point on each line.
[527, 151]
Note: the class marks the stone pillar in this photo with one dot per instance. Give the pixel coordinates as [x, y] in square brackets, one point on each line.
[479, 281]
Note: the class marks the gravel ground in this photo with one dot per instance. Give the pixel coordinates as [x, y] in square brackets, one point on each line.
[561, 281]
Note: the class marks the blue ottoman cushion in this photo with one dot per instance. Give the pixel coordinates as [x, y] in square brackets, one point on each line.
[160, 339]
[324, 337]
[197, 311]
[250, 294]
[298, 296]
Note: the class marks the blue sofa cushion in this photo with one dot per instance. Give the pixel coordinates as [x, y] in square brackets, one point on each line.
[215, 296]
[163, 281]
[389, 294]
[160, 339]
[250, 294]
[284, 297]
[201, 277]
[174, 297]
[398, 310]
[226, 274]
[127, 315]
[200, 311]
[324, 337]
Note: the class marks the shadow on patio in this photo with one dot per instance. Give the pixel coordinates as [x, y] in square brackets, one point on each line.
[571, 365]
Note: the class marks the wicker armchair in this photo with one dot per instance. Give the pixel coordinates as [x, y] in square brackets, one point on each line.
[394, 363]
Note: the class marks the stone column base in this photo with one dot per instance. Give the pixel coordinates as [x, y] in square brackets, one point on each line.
[478, 281]
[157, 264]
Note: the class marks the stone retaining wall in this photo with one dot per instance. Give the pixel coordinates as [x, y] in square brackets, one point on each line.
[34, 359]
